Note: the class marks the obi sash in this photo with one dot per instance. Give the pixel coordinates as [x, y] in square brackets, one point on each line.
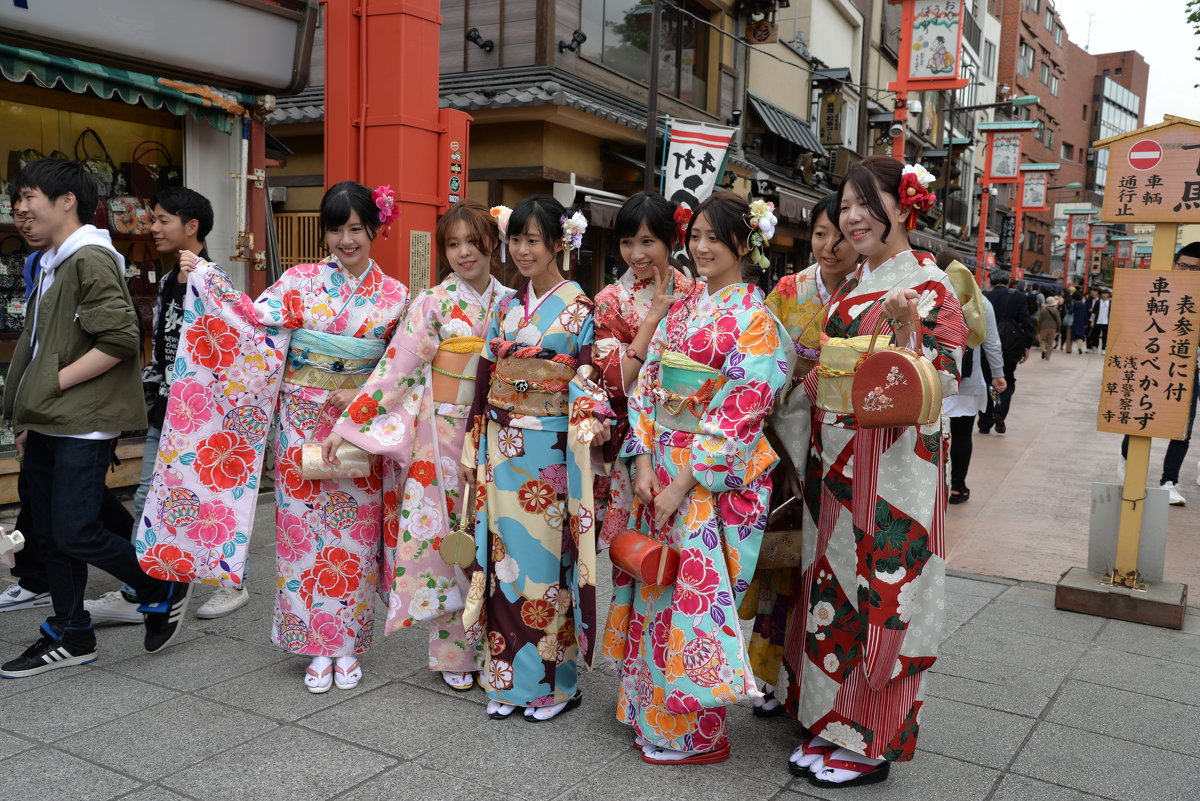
[330, 361]
[840, 358]
[454, 368]
[531, 386]
[686, 387]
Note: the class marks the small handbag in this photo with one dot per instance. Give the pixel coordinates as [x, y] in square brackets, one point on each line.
[645, 558]
[457, 548]
[355, 462]
[896, 387]
[784, 534]
[144, 178]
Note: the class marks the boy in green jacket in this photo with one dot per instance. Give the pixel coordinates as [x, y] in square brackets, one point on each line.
[73, 387]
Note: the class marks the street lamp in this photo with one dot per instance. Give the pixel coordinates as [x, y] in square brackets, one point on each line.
[1016, 102]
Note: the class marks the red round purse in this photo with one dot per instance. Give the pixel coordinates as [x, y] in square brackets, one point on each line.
[896, 387]
[645, 558]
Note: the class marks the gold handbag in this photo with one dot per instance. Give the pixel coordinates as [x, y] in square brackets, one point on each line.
[355, 462]
[457, 548]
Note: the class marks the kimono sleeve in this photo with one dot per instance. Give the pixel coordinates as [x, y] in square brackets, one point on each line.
[945, 330]
[613, 335]
[754, 372]
[483, 379]
[641, 402]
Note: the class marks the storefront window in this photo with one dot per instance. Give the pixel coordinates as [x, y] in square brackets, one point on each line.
[618, 36]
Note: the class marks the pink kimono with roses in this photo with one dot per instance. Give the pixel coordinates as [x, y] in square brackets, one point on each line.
[240, 367]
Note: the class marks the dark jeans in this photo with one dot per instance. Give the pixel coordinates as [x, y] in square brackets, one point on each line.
[993, 412]
[960, 450]
[1098, 336]
[1177, 448]
[66, 489]
[29, 570]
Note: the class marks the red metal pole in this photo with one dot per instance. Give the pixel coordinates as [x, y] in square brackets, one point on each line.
[901, 84]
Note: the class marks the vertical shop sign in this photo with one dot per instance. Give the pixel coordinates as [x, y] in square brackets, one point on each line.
[936, 39]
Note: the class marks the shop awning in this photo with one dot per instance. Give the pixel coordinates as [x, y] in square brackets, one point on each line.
[215, 106]
[786, 125]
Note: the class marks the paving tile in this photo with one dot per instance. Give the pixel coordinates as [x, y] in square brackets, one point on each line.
[199, 663]
[928, 777]
[1141, 674]
[1017, 700]
[1032, 593]
[285, 764]
[976, 665]
[501, 750]
[1094, 763]
[210, 729]
[1019, 788]
[1032, 652]
[1044, 622]
[972, 733]
[399, 719]
[967, 584]
[960, 607]
[424, 783]
[153, 792]
[10, 745]
[1169, 644]
[11, 687]
[87, 699]
[627, 776]
[277, 691]
[1127, 715]
[44, 773]
[760, 747]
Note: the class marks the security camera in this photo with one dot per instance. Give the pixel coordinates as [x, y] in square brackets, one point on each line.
[896, 130]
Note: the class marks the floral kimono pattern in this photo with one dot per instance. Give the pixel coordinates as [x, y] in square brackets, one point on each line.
[857, 647]
[620, 310]
[535, 526]
[679, 649]
[397, 417]
[228, 390]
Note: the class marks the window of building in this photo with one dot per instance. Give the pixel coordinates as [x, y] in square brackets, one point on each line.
[1025, 60]
[989, 58]
[1049, 19]
[1045, 73]
[1058, 34]
[1068, 151]
[1049, 137]
[1054, 85]
[618, 34]
[1119, 71]
[1033, 5]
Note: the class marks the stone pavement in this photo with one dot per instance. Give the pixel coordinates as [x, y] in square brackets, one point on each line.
[1025, 703]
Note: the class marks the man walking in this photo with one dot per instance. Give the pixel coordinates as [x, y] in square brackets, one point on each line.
[1016, 337]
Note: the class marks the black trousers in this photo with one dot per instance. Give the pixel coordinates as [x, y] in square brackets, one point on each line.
[961, 447]
[65, 490]
[995, 412]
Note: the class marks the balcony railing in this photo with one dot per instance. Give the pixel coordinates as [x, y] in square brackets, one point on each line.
[971, 31]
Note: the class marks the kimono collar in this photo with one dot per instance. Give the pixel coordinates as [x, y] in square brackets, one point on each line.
[351, 280]
[459, 285]
[632, 284]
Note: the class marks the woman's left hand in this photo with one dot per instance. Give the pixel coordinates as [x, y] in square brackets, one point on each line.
[666, 503]
[341, 398]
[896, 306]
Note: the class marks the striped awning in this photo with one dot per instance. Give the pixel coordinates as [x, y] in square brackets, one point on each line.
[217, 107]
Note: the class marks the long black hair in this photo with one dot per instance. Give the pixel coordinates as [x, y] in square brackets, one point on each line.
[651, 209]
[343, 198]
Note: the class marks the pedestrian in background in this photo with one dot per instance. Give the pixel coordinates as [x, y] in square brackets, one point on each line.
[1048, 322]
[1079, 322]
[1100, 316]
[1016, 337]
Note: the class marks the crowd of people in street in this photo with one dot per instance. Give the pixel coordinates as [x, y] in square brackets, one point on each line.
[464, 453]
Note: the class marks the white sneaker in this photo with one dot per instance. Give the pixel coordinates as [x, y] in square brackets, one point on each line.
[1175, 498]
[17, 597]
[222, 602]
[1121, 470]
[113, 607]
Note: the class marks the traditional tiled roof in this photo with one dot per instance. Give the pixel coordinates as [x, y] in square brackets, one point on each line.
[308, 106]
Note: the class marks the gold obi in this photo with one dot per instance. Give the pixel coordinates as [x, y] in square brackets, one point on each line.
[536, 387]
[453, 370]
[685, 389]
[839, 362]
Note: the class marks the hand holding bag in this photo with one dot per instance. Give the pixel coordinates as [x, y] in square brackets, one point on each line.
[355, 462]
[644, 557]
[896, 387]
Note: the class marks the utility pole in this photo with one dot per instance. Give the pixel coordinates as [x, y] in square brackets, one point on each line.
[652, 100]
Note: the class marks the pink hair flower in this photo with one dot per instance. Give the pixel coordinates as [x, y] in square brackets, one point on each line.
[389, 212]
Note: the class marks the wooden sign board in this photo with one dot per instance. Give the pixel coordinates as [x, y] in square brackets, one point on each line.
[1004, 158]
[935, 40]
[1034, 193]
[1154, 175]
[1150, 364]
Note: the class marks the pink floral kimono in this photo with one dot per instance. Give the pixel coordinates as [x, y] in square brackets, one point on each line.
[242, 365]
[400, 416]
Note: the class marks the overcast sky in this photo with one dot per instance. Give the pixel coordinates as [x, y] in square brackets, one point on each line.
[1155, 28]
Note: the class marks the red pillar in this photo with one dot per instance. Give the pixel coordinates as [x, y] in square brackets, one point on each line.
[256, 206]
[381, 115]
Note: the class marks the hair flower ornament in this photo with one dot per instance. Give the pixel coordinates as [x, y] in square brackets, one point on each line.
[683, 216]
[573, 228]
[501, 214]
[389, 212]
[914, 191]
[762, 222]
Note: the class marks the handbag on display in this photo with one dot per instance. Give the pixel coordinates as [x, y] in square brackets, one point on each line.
[99, 165]
[128, 215]
[144, 177]
[896, 387]
[645, 558]
[17, 159]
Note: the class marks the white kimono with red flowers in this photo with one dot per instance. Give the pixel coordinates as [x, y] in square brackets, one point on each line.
[227, 391]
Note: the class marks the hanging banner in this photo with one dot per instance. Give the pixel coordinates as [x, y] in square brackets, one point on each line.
[936, 39]
[1154, 174]
[1078, 227]
[1034, 196]
[1005, 157]
[1099, 237]
[696, 154]
[1124, 250]
[831, 118]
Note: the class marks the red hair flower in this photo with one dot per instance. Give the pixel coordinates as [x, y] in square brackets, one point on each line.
[389, 212]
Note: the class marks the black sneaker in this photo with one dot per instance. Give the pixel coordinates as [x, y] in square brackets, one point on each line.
[164, 619]
[74, 647]
[1000, 427]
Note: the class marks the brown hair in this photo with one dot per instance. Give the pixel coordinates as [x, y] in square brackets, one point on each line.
[871, 178]
[482, 232]
[727, 214]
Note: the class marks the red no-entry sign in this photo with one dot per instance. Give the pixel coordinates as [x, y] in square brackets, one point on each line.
[1145, 155]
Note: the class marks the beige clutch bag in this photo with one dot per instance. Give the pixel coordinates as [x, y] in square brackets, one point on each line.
[355, 462]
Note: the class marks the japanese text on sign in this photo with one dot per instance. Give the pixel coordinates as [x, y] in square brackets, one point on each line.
[695, 160]
[1150, 364]
[1154, 177]
[936, 39]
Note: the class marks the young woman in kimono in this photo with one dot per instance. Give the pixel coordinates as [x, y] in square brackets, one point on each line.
[413, 411]
[299, 354]
[627, 315]
[701, 481]
[529, 460]
[799, 301]
[871, 615]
